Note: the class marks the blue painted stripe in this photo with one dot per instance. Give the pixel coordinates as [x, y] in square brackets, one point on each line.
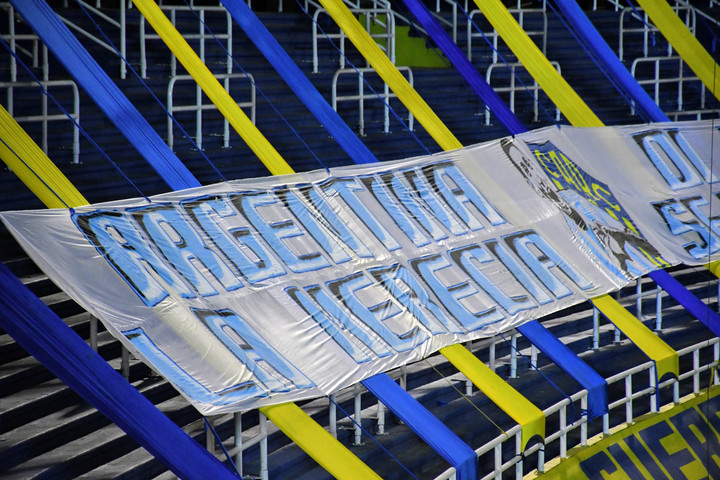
[46, 337]
[78, 62]
[594, 42]
[464, 67]
[298, 82]
[572, 364]
[425, 425]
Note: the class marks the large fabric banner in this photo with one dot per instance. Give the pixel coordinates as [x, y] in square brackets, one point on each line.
[263, 291]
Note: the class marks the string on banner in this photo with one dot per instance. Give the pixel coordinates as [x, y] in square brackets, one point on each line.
[72, 119]
[372, 438]
[152, 94]
[380, 98]
[532, 95]
[209, 426]
[252, 81]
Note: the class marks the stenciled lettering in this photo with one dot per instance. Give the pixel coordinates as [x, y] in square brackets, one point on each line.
[240, 244]
[121, 243]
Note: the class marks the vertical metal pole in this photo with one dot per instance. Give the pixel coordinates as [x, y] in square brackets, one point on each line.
[333, 415]
[125, 363]
[263, 448]
[492, 354]
[209, 437]
[563, 432]
[628, 397]
[380, 418]
[638, 300]
[606, 423]
[658, 311]
[358, 416]
[123, 41]
[93, 333]
[513, 356]
[696, 373]
[533, 357]
[583, 426]
[498, 461]
[238, 442]
[518, 452]
[654, 394]
[596, 328]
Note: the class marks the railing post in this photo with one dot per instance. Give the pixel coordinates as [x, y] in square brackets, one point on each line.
[238, 441]
[518, 452]
[380, 418]
[563, 431]
[125, 363]
[583, 425]
[491, 360]
[513, 356]
[596, 328]
[638, 299]
[696, 374]
[332, 412]
[358, 416]
[628, 397]
[658, 310]
[263, 448]
[209, 437]
[498, 461]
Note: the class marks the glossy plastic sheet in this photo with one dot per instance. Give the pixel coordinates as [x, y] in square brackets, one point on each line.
[263, 291]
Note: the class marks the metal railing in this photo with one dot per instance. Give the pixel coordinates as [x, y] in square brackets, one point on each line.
[533, 87]
[561, 434]
[44, 117]
[677, 82]
[199, 106]
[647, 30]
[383, 17]
[361, 96]
[201, 36]
[520, 14]
[120, 24]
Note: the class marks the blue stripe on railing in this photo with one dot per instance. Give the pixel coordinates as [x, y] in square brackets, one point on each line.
[46, 337]
[298, 82]
[446, 443]
[571, 363]
[78, 62]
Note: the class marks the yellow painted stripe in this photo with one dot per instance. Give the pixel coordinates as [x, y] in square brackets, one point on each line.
[530, 418]
[34, 168]
[213, 89]
[580, 115]
[682, 40]
[390, 74]
[553, 84]
[665, 357]
[317, 442]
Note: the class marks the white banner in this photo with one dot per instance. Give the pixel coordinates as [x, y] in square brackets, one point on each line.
[263, 291]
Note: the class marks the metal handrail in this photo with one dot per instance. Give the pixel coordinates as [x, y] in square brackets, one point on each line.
[647, 28]
[659, 80]
[202, 36]
[520, 13]
[44, 117]
[361, 96]
[199, 106]
[372, 15]
[534, 88]
[119, 24]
